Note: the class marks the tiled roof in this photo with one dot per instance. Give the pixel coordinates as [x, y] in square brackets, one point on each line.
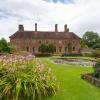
[44, 35]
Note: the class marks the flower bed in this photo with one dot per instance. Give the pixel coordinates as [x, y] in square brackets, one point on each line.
[24, 77]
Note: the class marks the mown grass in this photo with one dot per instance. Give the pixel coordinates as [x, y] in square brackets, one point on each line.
[72, 87]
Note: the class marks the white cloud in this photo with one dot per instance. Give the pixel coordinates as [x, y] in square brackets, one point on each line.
[81, 16]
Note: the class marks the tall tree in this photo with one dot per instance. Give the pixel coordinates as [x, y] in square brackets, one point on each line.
[91, 38]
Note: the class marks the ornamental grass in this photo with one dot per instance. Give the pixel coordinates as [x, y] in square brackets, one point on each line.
[25, 78]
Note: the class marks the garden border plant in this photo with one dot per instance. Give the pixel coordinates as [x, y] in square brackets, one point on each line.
[24, 78]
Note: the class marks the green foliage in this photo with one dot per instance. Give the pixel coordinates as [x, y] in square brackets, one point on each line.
[24, 78]
[5, 47]
[43, 48]
[97, 45]
[83, 45]
[91, 38]
[87, 54]
[50, 48]
[97, 70]
[96, 53]
[43, 55]
[72, 87]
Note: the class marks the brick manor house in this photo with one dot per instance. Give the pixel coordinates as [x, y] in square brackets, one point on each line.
[65, 42]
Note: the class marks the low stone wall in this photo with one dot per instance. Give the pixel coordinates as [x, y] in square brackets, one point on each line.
[90, 78]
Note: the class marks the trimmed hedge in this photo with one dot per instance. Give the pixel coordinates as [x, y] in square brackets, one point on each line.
[43, 55]
[71, 54]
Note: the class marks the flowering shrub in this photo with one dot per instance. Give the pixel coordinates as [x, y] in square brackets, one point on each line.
[22, 77]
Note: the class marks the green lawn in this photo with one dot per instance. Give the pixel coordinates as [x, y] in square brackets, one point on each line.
[72, 87]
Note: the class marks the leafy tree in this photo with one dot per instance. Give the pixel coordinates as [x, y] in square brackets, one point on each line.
[47, 48]
[90, 38]
[51, 48]
[43, 48]
[12, 48]
[97, 45]
[83, 44]
[4, 46]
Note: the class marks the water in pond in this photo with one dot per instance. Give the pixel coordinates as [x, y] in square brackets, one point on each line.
[73, 61]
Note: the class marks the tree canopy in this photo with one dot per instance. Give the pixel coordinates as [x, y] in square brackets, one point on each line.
[91, 38]
[5, 46]
[83, 44]
[50, 48]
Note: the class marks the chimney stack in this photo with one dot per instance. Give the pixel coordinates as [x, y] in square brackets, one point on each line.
[21, 28]
[56, 27]
[65, 28]
[35, 26]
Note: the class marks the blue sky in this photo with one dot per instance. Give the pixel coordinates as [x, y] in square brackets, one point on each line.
[79, 15]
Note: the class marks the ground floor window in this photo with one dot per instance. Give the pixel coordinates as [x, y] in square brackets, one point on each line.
[27, 48]
[60, 49]
[39, 49]
[33, 49]
[73, 48]
[55, 49]
[65, 49]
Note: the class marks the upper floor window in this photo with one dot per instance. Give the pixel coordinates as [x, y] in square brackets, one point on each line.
[33, 49]
[73, 42]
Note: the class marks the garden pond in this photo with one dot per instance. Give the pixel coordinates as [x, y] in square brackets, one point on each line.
[73, 61]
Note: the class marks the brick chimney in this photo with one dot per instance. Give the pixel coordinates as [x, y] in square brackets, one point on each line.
[21, 28]
[35, 26]
[65, 27]
[56, 27]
